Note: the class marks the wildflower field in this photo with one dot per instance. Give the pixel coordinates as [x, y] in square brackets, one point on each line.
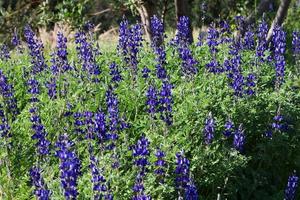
[215, 119]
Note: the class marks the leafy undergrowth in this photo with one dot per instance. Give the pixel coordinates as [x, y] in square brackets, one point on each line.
[257, 170]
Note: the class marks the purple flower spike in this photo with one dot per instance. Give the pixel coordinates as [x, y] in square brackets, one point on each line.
[239, 139]
[40, 191]
[70, 167]
[209, 129]
[291, 188]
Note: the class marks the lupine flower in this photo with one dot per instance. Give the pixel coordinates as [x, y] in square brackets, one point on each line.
[33, 89]
[160, 164]
[214, 66]
[277, 125]
[250, 83]
[191, 192]
[140, 152]
[249, 40]
[59, 60]
[115, 73]
[212, 40]
[79, 123]
[124, 40]
[134, 45]
[51, 86]
[209, 129]
[4, 126]
[228, 128]
[182, 172]
[296, 43]
[237, 84]
[239, 139]
[35, 50]
[6, 91]
[40, 189]
[160, 53]
[166, 102]
[33, 85]
[100, 188]
[291, 188]
[269, 133]
[100, 126]
[279, 44]
[225, 31]
[42, 144]
[182, 37]
[188, 63]
[227, 65]
[234, 48]
[235, 76]
[157, 30]
[152, 100]
[70, 167]
[261, 37]
[139, 189]
[86, 54]
[113, 114]
[225, 27]
[130, 42]
[89, 124]
[123, 123]
[145, 72]
[277, 122]
[4, 53]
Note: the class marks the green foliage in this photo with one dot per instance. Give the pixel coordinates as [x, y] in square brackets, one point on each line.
[259, 173]
[67, 11]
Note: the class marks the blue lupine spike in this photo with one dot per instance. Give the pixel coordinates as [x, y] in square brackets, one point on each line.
[166, 103]
[152, 100]
[7, 92]
[70, 166]
[140, 152]
[115, 73]
[239, 139]
[182, 37]
[40, 189]
[279, 45]
[157, 31]
[291, 188]
[209, 129]
[35, 50]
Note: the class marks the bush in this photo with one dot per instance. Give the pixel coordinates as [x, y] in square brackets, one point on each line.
[259, 170]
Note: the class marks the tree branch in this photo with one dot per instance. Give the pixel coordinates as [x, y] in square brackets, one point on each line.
[280, 16]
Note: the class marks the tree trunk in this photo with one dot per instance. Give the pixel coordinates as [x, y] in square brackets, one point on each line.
[280, 16]
[146, 10]
[181, 8]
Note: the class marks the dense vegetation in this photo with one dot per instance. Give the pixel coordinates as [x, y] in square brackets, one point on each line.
[218, 118]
